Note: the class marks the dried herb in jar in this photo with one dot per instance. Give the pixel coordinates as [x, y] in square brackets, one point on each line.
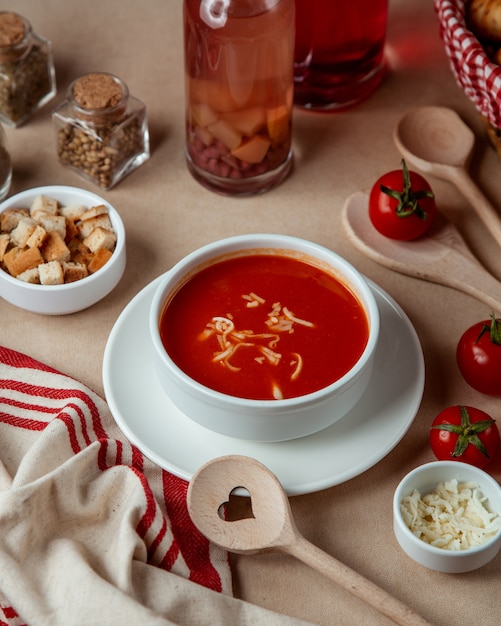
[102, 132]
[27, 77]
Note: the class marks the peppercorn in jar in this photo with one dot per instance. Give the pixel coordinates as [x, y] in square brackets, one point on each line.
[27, 76]
[101, 130]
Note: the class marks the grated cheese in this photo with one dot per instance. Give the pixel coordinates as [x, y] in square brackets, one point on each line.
[253, 300]
[229, 339]
[277, 392]
[290, 316]
[452, 517]
[281, 319]
[297, 362]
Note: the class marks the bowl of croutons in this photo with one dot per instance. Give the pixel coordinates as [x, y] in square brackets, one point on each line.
[471, 32]
[62, 249]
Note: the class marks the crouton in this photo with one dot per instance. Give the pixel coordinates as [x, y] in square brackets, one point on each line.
[79, 253]
[18, 261]
[85, 227]
[74, 271]
[51, 273]
[100, 238]
[30, 276]
[72, 212]
[9, 259]
[4, 244]
[22, 232]
[53, 223]
[42, 205]
[37, 237]
[94, 211]
[10, 219]
[54, 248]
[99, 259]
[71, 230]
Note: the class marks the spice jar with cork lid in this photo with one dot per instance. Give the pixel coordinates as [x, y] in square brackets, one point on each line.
[27, 76]
[101, 130]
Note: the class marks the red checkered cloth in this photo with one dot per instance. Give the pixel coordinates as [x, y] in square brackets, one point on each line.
[479, 78]
[92, 532]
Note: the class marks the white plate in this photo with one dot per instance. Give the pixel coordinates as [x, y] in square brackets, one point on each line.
[363, 437]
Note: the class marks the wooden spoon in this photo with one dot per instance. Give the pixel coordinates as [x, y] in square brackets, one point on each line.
[441, 256]
[272, 528]
[436, 141]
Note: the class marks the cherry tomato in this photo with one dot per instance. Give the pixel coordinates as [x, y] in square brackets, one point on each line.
[402, 205]
[464, 433]
[478, 356]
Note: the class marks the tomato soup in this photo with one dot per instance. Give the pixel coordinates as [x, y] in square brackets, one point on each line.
[264, 327]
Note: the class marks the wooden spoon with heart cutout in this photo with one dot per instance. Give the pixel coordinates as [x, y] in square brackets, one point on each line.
[271, 528]
[441, 256]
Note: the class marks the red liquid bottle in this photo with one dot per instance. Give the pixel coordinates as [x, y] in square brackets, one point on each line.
[339, 51]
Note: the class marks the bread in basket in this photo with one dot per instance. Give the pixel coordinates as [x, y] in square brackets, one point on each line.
[473, 57]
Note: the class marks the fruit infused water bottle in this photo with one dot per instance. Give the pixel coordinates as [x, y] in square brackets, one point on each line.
[239, 92]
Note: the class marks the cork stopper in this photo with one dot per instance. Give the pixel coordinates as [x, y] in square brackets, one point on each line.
[97, 91]
[99, 97]
[12, 29]
[13, 33]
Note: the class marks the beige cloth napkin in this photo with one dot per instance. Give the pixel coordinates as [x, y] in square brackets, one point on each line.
[92, 532]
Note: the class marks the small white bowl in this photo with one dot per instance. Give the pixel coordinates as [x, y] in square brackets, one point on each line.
[424, 479]
[78, 295]
[264, 420]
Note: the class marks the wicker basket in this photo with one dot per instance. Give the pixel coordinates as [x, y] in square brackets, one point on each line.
[479, 78]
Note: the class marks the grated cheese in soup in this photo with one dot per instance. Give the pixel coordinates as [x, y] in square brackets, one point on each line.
[452, 517]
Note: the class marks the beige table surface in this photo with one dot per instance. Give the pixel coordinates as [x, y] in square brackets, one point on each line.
[167, 214]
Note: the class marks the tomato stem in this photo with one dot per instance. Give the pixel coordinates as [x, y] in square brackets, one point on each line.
[494, 330]
[467, 433]
[408, 200]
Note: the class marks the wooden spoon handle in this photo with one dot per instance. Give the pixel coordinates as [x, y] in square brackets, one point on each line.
[483, 208]
[353, 582]
[466, 274]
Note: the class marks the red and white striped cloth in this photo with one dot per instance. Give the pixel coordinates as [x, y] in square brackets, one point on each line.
[479, 78]
[92, 532]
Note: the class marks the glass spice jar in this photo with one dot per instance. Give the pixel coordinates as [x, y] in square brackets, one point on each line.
[101, 131]
[27, 76]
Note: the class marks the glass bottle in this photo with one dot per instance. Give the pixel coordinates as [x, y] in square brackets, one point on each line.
[239, 90]
[339, 52]
[101, 131]
[5, 166]
[27, 76]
